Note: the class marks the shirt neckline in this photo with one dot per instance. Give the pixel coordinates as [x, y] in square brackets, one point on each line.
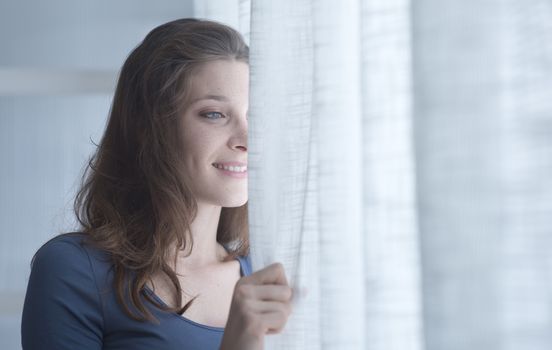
[185, 319]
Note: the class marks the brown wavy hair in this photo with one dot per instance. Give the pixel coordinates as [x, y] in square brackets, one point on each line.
[134, 202]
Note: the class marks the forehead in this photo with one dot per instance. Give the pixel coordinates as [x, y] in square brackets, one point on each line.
[221, 77]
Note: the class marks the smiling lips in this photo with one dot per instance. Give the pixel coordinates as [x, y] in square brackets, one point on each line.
[233, 169]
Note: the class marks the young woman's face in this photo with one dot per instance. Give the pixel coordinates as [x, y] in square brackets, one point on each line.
[214, 133]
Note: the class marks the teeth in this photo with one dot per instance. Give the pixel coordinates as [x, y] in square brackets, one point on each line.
[235, 169]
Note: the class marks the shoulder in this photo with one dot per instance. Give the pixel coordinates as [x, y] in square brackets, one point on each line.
[62, 304]
[68, 248]
[73, 240]
[245, 262]
[70, 259]
[60, 250]
[244, 259]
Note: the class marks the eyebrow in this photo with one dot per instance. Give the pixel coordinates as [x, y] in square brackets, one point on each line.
[210, 97]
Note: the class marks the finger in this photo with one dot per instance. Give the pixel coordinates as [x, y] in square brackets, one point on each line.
[271, 274]
[274, 322]
[273, 292]
[266, 307]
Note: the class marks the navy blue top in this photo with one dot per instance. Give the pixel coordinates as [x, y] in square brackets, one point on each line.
[71, 304]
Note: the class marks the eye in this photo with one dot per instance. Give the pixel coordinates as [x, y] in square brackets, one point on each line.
[212, 115]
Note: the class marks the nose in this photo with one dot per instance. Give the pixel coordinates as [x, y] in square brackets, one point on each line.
[238, 141]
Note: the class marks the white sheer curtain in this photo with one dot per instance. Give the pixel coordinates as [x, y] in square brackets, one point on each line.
[483, 131]
[400, 160]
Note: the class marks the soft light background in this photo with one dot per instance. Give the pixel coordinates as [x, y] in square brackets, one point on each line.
[400, 157]
[59, 60]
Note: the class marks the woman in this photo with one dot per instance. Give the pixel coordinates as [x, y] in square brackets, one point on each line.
[161, 261]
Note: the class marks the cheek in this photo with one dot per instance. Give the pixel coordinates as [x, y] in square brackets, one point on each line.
[199, 146]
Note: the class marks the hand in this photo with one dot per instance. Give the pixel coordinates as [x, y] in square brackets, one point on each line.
[261, 305]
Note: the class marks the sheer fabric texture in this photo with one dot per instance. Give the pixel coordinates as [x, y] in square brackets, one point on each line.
[400, 156]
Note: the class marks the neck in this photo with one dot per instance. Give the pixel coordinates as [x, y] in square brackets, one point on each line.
[206, 250]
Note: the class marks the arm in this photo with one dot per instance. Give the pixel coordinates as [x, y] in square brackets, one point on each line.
[62, 307]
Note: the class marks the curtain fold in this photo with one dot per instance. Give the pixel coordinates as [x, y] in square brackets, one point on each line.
[457, 120]
[391, 249]
[283, 185]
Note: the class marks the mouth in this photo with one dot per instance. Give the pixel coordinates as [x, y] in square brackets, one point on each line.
[233, 168]
[237, 170]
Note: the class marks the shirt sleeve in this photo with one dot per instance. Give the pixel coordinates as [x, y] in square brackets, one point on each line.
[62, 308]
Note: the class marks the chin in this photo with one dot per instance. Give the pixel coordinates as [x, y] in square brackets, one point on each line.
[234, 203]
